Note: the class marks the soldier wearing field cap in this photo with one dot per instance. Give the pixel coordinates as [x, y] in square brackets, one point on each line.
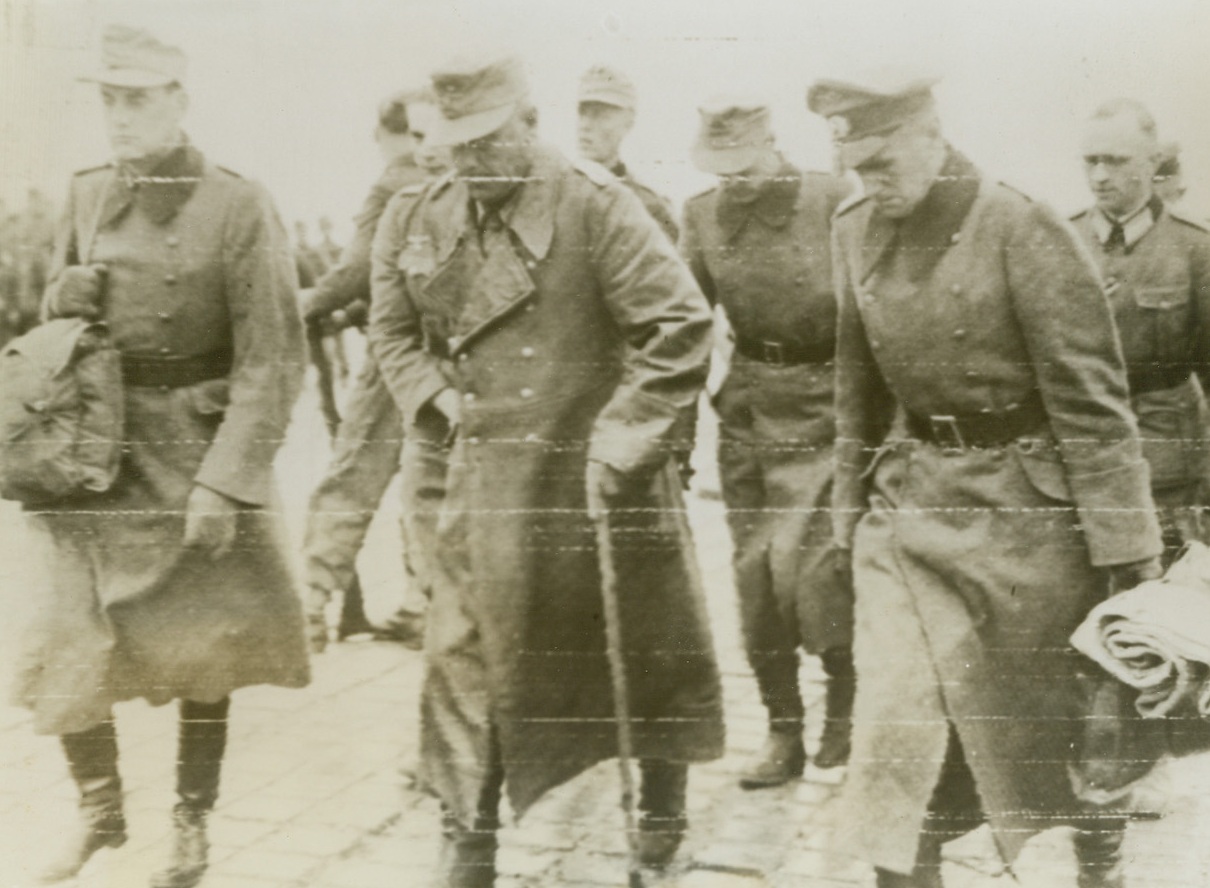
[174, 584]
[531, 317]
[758, 244]
[990, 485]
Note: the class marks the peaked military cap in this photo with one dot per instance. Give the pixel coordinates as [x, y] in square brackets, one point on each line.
[608, 86]
[476, 95]
[864, 111]
[734, 131]
[133, 58]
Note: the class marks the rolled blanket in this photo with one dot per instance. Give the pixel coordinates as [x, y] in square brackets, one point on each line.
[1156, 637]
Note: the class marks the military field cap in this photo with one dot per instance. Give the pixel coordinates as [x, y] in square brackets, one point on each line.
[864, 111]
[476, 95]
[133, 58]
[734, 132]
[608, 86]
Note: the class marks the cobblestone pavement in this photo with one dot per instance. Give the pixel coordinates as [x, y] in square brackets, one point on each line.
[316, 793]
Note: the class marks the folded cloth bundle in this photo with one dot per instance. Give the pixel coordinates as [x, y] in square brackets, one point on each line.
[1156, 637]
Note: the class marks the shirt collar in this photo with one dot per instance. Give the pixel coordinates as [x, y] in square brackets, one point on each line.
[529, 212]
[1134, 226]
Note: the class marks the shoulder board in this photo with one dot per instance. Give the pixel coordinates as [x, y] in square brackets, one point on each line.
[701, 195]
[854, 199]
[595, 173]
[1076, 217]
[1016, 191]
[1179, 216]
[229, 172]
[93, 169]
[411, 190]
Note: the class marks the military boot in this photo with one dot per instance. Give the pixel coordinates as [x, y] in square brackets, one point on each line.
[1099, 854]
[836, 742]
[92, 757]
[783, 758]
[203, 740]
[663, 822]
[468, 856]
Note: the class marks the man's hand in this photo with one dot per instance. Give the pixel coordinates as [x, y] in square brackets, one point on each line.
[610, 487]
[1127, 576]
[210, 522]
[449, 404]
[77, 292]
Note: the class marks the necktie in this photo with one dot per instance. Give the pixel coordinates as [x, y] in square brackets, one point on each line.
[1116, 239]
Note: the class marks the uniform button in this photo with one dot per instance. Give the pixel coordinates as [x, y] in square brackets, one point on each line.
[165, 317]
[959, 334]
[529, 306]
[469, 397]
[172, 240]
[955, 237]
[971, 374]
[531, 264]
[170, 278]
[527, 393]
[874, 343]
[956, 289]
[464, 357]
[165, 350]
[527, 352]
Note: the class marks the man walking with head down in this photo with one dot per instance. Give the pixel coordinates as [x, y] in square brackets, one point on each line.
[989, 484]
[532, 315]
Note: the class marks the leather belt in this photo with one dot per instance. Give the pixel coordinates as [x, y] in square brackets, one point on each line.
[1154, 379]
[784, 354]
[174, 371]
[963, 431]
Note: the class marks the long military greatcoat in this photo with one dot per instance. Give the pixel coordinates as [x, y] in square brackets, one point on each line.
[574, 334]
[768, 264]
[198, 264]
[973, 566]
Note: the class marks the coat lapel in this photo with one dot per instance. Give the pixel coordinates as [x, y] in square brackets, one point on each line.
[932, 228]
[164, 190]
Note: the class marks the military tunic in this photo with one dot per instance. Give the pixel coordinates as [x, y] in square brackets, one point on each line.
[199, 269]
[768, 265]
[1158, 281]
[571, 332]
[973, 564]
[366, 449]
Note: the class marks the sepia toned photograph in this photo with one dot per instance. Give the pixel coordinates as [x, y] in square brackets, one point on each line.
[534, 444]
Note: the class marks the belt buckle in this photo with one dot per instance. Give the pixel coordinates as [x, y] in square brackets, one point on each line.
[774, 352]
[946, 432]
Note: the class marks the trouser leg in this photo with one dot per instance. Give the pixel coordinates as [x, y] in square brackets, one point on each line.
[202, 743]
[1098, 843]
[835, 744]
[662, 824]
[92, 758]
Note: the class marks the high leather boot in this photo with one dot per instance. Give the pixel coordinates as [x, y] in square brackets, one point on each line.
[92, 757]
[836, 742]
[1099, 853]
[662, 823]
[783, 756]
[203, 740]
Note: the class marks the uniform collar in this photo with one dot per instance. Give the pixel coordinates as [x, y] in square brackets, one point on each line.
[529, 212]
[161, 191]
[774, 206]
[1134, 226]
[923, 236]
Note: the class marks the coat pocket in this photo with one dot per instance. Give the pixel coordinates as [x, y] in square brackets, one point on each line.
[1043, 467]
[1167, 296]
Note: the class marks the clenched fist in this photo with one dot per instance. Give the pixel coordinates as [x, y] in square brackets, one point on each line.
[77, 292]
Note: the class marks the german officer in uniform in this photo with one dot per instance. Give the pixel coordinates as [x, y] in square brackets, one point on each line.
[368, 442]
[758, 244]
[989, 475]
[532, 314]
[1155, 263]
[174, 584]
[605, 116]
